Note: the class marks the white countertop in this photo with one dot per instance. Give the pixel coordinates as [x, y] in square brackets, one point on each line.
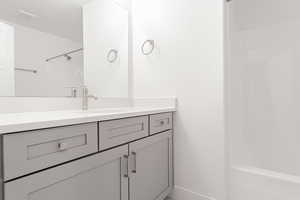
[17, 122]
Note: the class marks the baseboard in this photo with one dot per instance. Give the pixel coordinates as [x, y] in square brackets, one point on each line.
[181, 193]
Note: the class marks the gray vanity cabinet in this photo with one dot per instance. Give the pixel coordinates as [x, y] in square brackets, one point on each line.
[122, 159]
[151, 167]
[98, 177]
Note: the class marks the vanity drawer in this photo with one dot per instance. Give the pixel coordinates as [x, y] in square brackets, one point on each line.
[26, 152]
[116, 132]
[160, 122]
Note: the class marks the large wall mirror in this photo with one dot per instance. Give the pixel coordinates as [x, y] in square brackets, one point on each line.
[52, 48]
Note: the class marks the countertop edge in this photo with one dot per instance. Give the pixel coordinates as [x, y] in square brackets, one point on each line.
[85, 118]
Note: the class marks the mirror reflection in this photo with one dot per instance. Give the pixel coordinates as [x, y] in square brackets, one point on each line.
[43, 52]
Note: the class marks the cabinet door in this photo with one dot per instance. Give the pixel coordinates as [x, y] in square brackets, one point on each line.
[151, 167]
[101, 176]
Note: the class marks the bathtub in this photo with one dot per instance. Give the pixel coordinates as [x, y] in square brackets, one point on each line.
[251, 183]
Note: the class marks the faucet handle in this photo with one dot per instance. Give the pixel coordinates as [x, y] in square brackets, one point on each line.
[93, 97]
[85, 91]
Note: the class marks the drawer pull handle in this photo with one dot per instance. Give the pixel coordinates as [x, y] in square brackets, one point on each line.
[62, 146]
[162, 123]
[134, 162]
[125, 166]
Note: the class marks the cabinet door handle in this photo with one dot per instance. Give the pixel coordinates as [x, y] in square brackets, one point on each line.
[125, 166]
[134, 162]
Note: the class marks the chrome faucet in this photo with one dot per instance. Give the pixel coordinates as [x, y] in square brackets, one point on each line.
[85, 98]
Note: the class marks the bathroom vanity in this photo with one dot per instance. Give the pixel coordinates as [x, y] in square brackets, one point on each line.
[113, 155]
[58, 50]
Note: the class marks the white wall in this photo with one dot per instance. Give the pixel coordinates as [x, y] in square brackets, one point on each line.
[54, 78]
[105, 27]
[7, 60]
[187, 63]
